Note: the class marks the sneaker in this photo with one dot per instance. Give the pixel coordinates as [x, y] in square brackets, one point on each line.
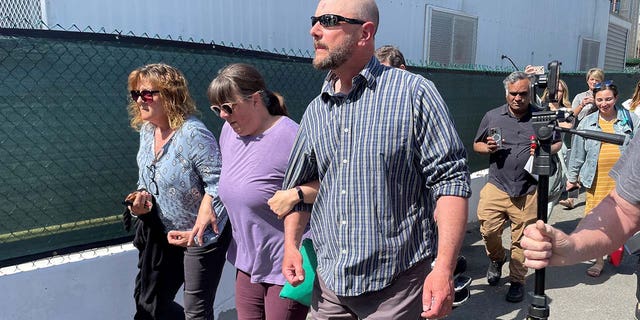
[461, 266]
[461, 282]
[516, 292]
[494, 272]
[461, 297]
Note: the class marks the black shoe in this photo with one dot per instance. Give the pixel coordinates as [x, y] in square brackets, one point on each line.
[516, 292]
[461, 297]
[461, 282]
[494, 272]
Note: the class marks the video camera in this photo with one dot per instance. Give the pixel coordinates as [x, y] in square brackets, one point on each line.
[551, 82]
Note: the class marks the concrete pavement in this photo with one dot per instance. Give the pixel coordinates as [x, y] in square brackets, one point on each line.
[572, 294]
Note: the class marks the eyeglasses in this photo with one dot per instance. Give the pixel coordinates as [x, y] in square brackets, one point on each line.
[228, 107]
[522, 93]
[601, 85]
[153, 186]
[332, 20]
[146, 95]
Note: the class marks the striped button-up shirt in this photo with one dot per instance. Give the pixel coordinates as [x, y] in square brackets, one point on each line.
[383, 153]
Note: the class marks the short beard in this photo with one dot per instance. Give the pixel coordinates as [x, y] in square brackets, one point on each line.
[338, 56]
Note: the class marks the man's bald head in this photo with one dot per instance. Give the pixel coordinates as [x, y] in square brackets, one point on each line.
[365, 10]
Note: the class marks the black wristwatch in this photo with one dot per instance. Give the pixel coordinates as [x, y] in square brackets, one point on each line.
[300, 194]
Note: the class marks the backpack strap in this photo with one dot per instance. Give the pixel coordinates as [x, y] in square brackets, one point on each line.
[627, 115]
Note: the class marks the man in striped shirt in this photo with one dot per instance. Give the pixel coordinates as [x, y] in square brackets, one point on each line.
[390, 164]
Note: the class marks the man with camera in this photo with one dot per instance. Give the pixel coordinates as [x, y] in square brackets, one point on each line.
[511, 192]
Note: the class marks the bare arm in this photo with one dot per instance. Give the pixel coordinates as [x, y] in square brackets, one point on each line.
[451, 217]
[294, 226]
[284, 200]
[585, 101]
[488, 147]
[577, 109]
[556, 147]
[606, 228]
[206, 215]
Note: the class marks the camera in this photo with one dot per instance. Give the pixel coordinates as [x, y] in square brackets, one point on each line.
[564, 115]
[544, 81]
[496, 134]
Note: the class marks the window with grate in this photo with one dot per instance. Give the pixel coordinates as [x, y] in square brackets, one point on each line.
[589, 52]
[452, 37]
[621, 8]
[23, 14]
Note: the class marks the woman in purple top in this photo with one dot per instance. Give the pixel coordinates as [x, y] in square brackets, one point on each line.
[255, 143]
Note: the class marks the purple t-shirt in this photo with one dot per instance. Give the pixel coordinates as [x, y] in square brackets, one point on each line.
[253, 168]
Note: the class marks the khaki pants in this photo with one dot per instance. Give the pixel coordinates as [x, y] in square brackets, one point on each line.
[495, 208]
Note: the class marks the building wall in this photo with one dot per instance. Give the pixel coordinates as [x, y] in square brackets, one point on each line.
[531, 32]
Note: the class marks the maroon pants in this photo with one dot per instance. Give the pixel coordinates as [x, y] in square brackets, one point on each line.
[258, 301]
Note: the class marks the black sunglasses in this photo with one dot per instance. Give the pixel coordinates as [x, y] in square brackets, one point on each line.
[147, 95]
[332, 20]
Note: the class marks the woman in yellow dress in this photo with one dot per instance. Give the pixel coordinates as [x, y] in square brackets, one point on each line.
[591, 160]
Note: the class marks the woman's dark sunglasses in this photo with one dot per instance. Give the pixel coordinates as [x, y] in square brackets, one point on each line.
[332, 20]
[146, 95]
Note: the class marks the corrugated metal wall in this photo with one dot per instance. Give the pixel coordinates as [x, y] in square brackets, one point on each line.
[616, 47]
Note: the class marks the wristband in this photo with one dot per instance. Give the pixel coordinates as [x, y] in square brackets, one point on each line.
[300, 194]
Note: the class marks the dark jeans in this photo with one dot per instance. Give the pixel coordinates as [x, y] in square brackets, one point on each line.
[202, 270]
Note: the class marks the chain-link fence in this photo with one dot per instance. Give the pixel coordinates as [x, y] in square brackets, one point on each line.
[68, 153]
[20, 13]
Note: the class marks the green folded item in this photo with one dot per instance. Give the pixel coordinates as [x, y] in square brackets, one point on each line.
[302, 292]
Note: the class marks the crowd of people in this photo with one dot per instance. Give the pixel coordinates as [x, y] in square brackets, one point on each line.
[380, 191]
